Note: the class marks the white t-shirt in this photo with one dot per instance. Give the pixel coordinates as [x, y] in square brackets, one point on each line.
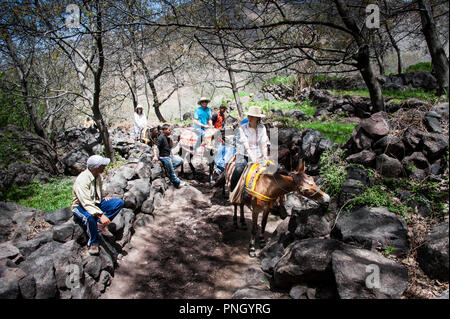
[255, 140]
[140, 121]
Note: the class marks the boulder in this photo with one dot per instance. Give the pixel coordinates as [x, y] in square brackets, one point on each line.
[27, 286]
[358, 141]
[137, 192]
[9, 288]
[416, 159]
[8, 251]
[388, 166]
[432, 124]
[75, 161]
[59, 216]
[254, 293]
[442, 109]
[433, 254]
[307, 260]
[391, 146]
[364, 274]
[412, 139]
[376, 126]
[365, 158]
[434, 145]
[63, 233]
[310, 220]
[373, 228]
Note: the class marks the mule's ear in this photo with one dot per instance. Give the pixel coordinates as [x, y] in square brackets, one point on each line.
[301, 166]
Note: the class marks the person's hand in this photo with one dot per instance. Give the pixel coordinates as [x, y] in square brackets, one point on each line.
[104, 220]
[155, 160]
[106, 198]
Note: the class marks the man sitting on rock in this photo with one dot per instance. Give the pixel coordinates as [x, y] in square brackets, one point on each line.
[162, 151]
[88, 204]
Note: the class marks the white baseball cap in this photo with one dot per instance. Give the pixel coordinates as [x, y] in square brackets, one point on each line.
[96, 161]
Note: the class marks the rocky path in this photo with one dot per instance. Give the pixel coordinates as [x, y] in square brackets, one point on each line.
[189, 250]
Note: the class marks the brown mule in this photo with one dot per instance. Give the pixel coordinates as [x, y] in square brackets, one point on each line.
[275, 186]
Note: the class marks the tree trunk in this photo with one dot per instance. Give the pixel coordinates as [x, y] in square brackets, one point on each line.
[235, 93]
[364, 64]
[156, 103]
[20, 68]
[438, 57]
[365, 67]
[396, 48]
[98, 118]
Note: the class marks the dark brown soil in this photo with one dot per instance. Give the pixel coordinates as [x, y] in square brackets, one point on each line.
[190, 250]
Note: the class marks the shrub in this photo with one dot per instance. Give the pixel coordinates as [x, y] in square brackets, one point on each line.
[333, 171]
[55, 194]
[421, 66]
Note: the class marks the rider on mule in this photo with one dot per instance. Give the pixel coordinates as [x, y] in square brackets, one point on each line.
[252, 143]
[202, 120]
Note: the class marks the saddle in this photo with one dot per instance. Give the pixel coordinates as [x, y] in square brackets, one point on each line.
[251, 180]
[247, 182]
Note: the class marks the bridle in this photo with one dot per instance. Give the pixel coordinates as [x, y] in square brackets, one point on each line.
[295, 177]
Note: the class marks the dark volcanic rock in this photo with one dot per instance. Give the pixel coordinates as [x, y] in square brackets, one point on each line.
[433, 254]
[363, 274]
[373, 228]
[305, 260]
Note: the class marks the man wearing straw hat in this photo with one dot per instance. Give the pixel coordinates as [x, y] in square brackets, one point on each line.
[202, 120]
[252, 143]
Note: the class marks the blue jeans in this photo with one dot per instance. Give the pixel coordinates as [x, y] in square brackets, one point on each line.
[200, 131]
[172, 162]
[110, 208]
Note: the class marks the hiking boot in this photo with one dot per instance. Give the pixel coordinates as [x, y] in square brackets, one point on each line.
[104, 230]
[93, 250]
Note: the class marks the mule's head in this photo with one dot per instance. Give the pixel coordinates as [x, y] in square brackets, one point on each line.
[307, 187]
[211, 138]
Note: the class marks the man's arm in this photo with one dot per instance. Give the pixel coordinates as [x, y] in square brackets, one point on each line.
[83, 194]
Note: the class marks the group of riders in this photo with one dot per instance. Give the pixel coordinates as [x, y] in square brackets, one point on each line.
[250, 146]
[251, 139]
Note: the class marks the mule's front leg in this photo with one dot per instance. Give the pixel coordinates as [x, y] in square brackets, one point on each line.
[262, 240]
[252, 249]
[242, 218]
[235, 224]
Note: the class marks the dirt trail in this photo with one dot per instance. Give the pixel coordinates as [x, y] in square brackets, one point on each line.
[190, 250]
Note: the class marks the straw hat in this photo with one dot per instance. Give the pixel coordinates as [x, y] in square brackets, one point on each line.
[203, 99]
[255, 111]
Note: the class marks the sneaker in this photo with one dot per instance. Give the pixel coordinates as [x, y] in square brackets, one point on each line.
[104, 230]
[93, 250]
[182, 183]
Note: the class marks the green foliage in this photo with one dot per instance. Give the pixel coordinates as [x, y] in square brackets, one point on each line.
[333, 171]
[396, 95]
[388, 250]
[422, 66]
[55, 194]
[377, 196]
[304, 106]
[10, 149]
[336, 132]
[280, 80]
[12, 110]
[324, 77]
[118, 163]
